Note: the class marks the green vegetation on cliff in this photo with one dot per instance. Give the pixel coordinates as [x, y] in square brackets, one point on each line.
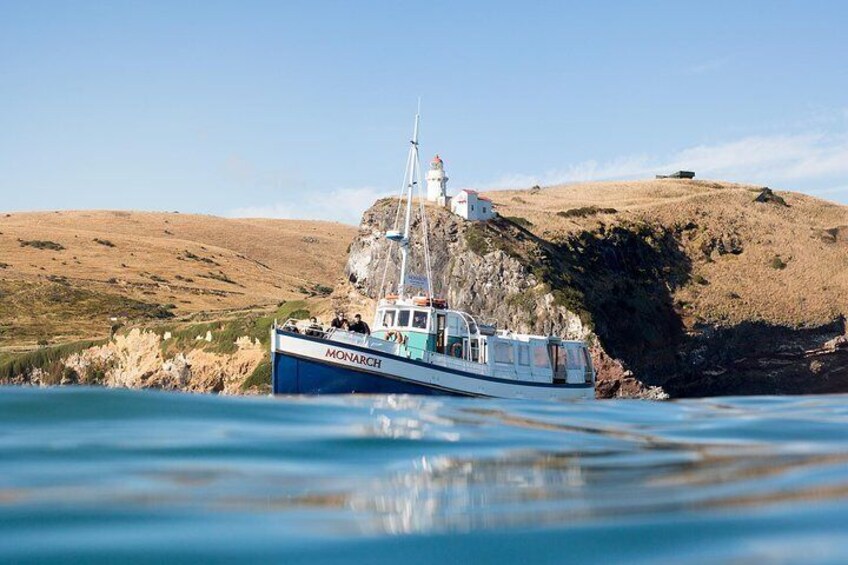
[254, 325]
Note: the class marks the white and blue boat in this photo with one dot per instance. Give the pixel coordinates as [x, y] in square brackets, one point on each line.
[421, 346]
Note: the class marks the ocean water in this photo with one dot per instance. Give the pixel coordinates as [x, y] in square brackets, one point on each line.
[94, 475]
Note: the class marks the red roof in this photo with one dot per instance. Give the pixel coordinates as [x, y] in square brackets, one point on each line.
[472, 191]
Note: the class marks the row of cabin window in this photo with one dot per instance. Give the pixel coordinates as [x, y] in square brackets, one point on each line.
[419, 319]
[505, 353]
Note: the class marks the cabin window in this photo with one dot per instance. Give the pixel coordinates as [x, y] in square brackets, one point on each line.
[389, 318]
[524, 355]
[587, 373]
[540, 358]
[403, 318]
[503, 353]
[561, 360]
[575, 359]
[419, 320]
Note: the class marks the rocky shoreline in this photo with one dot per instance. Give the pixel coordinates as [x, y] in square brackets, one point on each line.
[136, 360]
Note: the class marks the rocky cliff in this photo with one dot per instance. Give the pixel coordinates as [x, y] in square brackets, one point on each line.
[496, 270]
[689, 292]
[139, 359]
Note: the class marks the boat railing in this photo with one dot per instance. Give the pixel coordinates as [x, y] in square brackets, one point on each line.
[365, 340]
[383, 345]
[450, 362]
[330, 333]
[306, 327]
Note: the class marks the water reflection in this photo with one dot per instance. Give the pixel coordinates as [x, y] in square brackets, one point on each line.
[399, 465]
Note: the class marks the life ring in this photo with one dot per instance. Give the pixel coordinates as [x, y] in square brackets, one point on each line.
[456, 350]
[392, 335]
[427, 301]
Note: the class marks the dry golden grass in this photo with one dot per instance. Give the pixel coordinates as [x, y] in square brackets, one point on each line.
[725, 288]
[196, 263]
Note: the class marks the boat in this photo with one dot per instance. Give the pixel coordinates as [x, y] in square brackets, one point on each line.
[419, 345]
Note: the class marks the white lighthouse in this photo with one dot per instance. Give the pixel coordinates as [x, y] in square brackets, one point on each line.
[437, 182]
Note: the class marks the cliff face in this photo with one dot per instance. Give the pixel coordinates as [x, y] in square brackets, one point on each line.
[495, 270]
[688, 297]
[138, 360]
[484, 268]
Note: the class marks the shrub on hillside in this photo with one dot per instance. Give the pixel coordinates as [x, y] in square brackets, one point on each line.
[42, 244]
[323, 290]
[219, 276]
[519, 221]
[259, 379]
[475, 238]
[585, 211]
[777, 263]
[42, 358]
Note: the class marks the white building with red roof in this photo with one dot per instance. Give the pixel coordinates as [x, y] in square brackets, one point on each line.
[470, 205]
[467, 204]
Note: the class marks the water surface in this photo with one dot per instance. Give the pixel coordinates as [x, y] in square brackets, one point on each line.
[130, 476]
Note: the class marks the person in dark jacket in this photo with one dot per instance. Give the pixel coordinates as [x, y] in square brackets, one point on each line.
[339, 322]
[359, 326]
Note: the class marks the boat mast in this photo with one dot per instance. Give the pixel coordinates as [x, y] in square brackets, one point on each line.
[411, 183]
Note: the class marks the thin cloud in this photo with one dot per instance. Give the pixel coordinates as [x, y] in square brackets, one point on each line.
[342, 205]
[811, 161]
[816, 163]
[708, 66]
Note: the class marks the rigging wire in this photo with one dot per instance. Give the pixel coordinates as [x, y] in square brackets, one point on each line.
[424, 228]
[403, 188]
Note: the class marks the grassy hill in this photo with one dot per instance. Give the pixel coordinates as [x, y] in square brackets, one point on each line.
[700, 287]
[63, 275]
[783, 261]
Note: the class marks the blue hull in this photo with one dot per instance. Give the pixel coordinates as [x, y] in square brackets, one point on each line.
[295, 375]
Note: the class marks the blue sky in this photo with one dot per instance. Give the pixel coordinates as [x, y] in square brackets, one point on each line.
[304, 109]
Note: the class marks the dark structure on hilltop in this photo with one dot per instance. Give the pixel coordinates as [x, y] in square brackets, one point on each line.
[678, 175]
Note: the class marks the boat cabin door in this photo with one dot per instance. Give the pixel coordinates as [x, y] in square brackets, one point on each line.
[557, 355]
[441, 333]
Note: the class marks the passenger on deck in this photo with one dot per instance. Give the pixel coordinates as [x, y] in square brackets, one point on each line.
[359, 326]
[315, 329]
[339, 322]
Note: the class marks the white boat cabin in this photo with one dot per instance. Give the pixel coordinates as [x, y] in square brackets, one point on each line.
[426, 330]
